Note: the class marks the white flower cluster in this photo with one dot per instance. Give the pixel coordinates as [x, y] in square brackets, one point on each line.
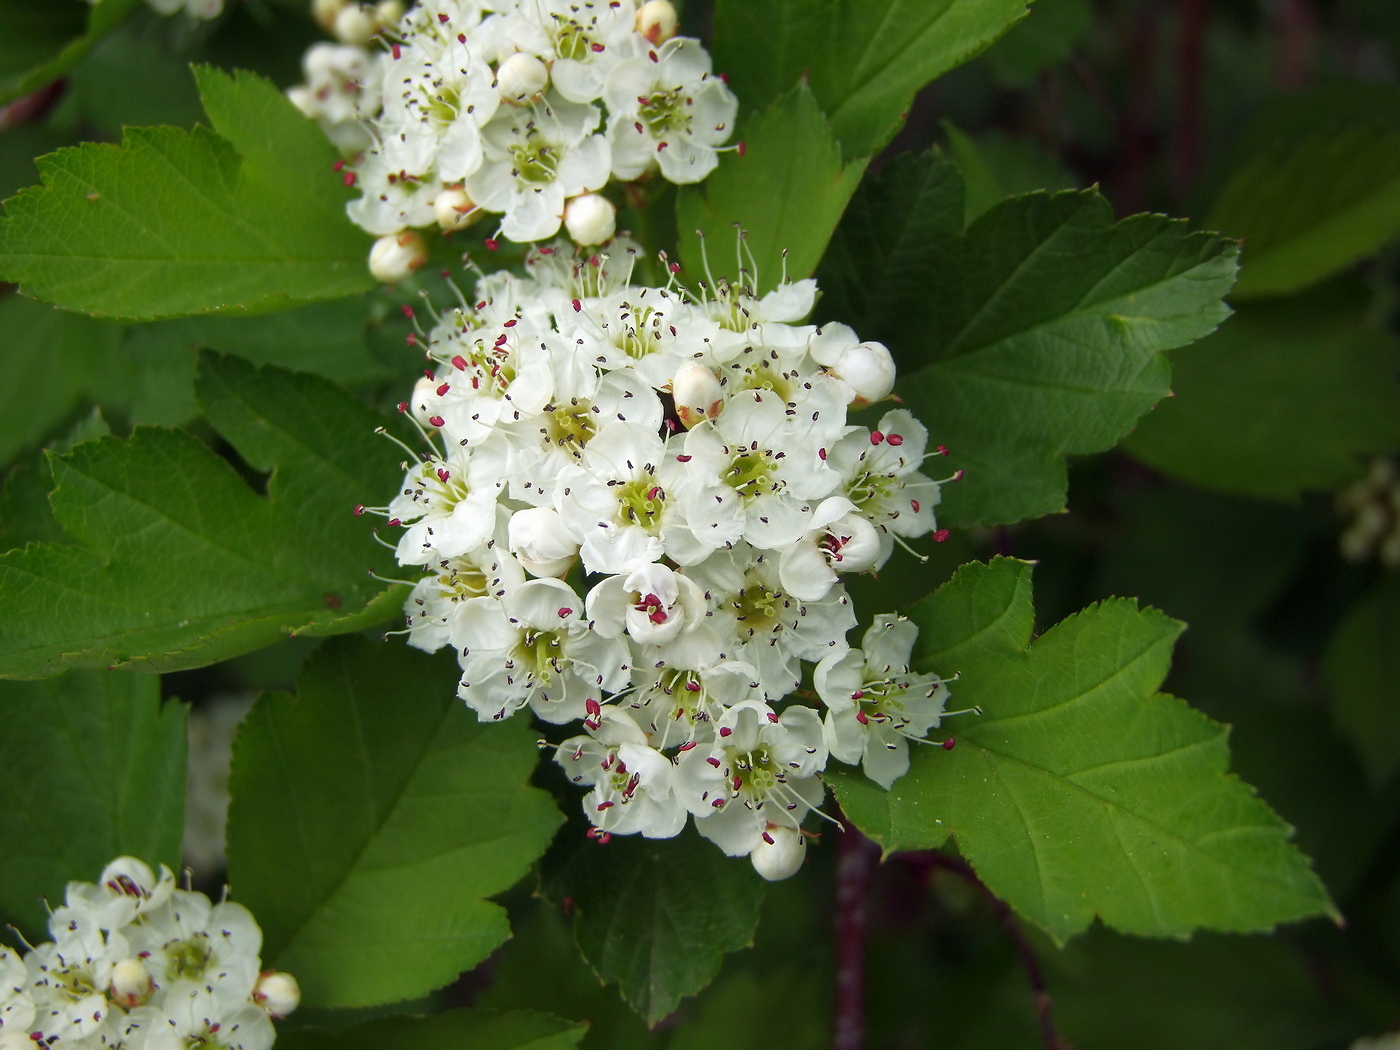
[137, 964]
[194, 8]
[694, 455]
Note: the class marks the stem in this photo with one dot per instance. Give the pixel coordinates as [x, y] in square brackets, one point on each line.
[1190, 43]
[855, 862]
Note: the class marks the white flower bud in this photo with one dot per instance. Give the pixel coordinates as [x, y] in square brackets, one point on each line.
[537, 537]
[277, 993]
[656, 20]
[131, 983]
[397, 255]
[853, 544]
[355, 25]
[590, 219]
[454, 209]
[424, 402]
[521, 77]
[325, 11]
[697, 394]
[868, 369]
[388, 12]
[779, 854]
[305, 100]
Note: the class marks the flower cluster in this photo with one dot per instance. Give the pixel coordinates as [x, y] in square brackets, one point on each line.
[1372, 507]
[137, 964]
[686, 460]
[194, 8]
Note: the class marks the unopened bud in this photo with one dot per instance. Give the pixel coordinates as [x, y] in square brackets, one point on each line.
[277, 993]
[325, 11]
[656, 20]
[590, 219]
[779, 854]
[858, 543]
[454, 209]
[131, 983]
[424, 402]
[397, 255]
[355, 25]
[697, 394]
[388, 12]
[537, 537]
[868, 369]
[521, 77]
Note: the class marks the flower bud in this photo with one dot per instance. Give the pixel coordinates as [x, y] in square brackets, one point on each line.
[853, 544]
[424, 403]
[697, 394]
[397, 255]
[590, 219]
[325, 11]
[388, 13]
[656, 20]
[521, 77]
[538, 538]
[779, 853]
[355, 25]
[277, 993]
[131, 983]
[868, 369]
[454, 209]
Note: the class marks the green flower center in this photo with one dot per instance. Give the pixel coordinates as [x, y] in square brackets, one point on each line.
[757, 608]
[570, 426]
[664, 112]
[631, 338]
[640, 502]
[572, 42]
[764, 374]
[75, 982]
[750, 472]
[869, 486]
[535, 162]
[189, 958]
[755, 771]
[539, 652]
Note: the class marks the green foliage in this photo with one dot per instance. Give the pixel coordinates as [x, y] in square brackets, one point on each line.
[92, 766]
[1082, 791]
[1039, 328]
[790, 156]
[372, 814]
[1307, 211]
[994, 166]
[656, 918]
[1363, 669]
[1284, 398]
[170, 222]
[477, 1029]
[180, 563]
[1042, 41]
[864, 59]
[41, 42]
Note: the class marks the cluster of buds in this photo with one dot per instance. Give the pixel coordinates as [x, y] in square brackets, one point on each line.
[1372, 506]
[136, 964]
[201, 9]
[355, 23]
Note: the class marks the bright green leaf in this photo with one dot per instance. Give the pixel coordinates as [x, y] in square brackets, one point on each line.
[372, 813]
[864, 59]
[1081, 790]
[1308, 211]
[172, 222]
[40, 42]
[179, 562]
[1284, 398]
[1363, 676]
[787, 191]
[453, 1030]
[657, 917]
[92, 766]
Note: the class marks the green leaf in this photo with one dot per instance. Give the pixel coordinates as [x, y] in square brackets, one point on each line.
[995, 166]
[1307, 211]
[1039, 329]
[864, 59]
[179, 563]
[92, 766]
[453, 1030]
[371, 815]
[787, 192]
[1286, 397]
[1043, 40]
[1363, 667]
[172, 222]
[657, 917]
[1081, 791]
[41, 42]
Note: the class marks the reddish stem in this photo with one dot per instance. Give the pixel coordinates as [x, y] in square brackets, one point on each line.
[855, 863]
[1190, 43]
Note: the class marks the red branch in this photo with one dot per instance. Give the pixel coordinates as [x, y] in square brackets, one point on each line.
[1190, 43]
[856, 859]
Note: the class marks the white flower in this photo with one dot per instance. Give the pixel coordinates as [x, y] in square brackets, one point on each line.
[191, 1015]
[866, 370]
[875, 704]
[392, 199]
[650, 330]
[759, 771]
[590, 219]
[682, 688]
[434, 107]
[769, 321]
[277, 993]
[668, 109]
[880, 475]
[395, 256]
[697, 393]
[68, 976]
[541, 542]
[521, 77]
[840, 541]
[652, 604]
[341, 93]
[486, 571]
[16, 1006]
[127, 888]
[779, 853]
[633, 783]
[449, 505]
[215, 946]
[534, 647]
[584, 39]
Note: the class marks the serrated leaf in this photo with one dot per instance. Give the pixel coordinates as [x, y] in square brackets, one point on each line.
[173, 222]
[864, 59]
[178, 563]
[1081, 791]
[1286, 397]
[1307, 211]
[1035, 334]
[371, 815]
[1363, 667]
[92, 766]
[657, 917]
[454, 1030]
[994, 166]
[41, 42]
[789, 157]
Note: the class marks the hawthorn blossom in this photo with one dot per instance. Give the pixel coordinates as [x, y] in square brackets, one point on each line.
[633, 783]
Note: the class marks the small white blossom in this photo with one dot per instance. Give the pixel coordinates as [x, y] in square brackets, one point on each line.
[652, 604]
[633, 783]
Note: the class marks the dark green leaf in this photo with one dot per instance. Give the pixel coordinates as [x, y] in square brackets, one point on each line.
[172, 222]
[372, 813]
[180, 563]
[92, 766]
[1037, 43]
[995, 166]
[1081, 791]
[453, 1030]
[1363, 676]
[40, 42]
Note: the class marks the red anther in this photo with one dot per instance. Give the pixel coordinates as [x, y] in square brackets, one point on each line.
[510, 324]
[394, 523]
[348, 178]
[592, 706]
[693, 687]
[651, 492]
[564, 610]
[661, 145]
[717, 803]
[578, 306]
[652, 55]
[675, 267]
[861, 717]
[481, 305]
[713, 761]
[492, 244]
[412, 340]
[443, 389]
[876, 437]
[594, 261]
[605, 805]
[443, 19]
[742, 149]
[407, 311]
[500, 339]
[597, 47]
[940, 536]
[476, 383]
[460, 363]
[398, 51]
[957, 475]
[436, 421]
[461, 38]
[683, 459]
[638, 125]
[686, 746]
[949, 744]
[671, 424]
[738, 782]
[858, 694]
[768, 838]
[403, 406]
[725, 731]
[359, 509]
[942, 450]
[915, 504]
[443, 473]
[430, 373]
[337, 165]
[773, 717]
[546, 251]
[895, 439]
